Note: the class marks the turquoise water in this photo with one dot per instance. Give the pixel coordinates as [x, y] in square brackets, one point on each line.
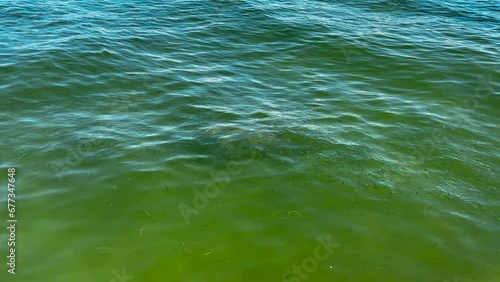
[251, 140]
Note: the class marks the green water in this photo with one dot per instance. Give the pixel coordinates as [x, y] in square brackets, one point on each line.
[251, 140]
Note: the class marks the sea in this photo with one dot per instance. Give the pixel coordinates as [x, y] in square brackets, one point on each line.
[250, 140]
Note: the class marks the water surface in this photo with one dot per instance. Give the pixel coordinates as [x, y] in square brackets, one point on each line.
[217, 140]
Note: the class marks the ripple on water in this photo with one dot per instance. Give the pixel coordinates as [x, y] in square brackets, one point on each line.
[375, 122]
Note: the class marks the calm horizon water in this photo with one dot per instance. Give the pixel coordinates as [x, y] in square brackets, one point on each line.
[250, 140]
